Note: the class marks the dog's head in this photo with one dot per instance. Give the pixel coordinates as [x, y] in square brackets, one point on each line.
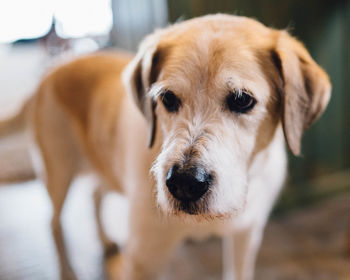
[218, 88]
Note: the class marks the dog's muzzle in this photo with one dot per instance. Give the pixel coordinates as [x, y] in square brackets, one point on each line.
[188, 185]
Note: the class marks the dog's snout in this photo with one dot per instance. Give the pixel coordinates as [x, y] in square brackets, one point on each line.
[188, 185]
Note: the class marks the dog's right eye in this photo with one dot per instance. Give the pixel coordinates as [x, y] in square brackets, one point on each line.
[240, 101]
[170, 101]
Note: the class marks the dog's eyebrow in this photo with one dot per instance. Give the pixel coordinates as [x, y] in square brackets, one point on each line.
[232, 88]
[156, 90]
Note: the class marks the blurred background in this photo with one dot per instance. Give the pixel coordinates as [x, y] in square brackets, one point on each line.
[308, 236]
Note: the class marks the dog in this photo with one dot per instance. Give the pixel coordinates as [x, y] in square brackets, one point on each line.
[192, 129]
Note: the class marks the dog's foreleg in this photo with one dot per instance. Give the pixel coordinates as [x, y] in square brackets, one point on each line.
[144, 258]
[228, 258]
[110, 247]
[240, 251]
[57, 185]
[59, 157]
[59, 172]
[66, 270]
[149, 247]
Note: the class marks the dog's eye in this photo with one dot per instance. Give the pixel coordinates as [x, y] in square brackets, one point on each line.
[240, 101]
[170, 101]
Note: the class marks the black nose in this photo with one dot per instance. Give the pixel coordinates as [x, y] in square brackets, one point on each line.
[188, 185]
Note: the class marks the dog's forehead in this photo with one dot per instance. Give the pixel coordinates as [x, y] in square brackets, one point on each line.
[219, 52]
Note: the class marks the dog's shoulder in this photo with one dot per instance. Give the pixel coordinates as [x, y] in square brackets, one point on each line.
[86, 80]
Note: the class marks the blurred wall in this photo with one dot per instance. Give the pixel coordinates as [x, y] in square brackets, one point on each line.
[132, 20]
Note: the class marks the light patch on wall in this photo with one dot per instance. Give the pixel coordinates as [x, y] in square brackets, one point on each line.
[80, 18]
[24, 19]
[21, 19]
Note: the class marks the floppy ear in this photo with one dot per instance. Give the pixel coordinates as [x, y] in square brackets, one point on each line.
[305, 88]
[138, 78]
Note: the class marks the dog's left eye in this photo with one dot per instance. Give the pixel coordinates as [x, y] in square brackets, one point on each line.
[171, 102]
[240, 101]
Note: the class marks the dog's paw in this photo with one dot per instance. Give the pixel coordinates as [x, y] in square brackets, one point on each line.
[110, 250]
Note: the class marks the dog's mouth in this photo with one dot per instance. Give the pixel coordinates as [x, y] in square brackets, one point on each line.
[198, 210]
[199, 207]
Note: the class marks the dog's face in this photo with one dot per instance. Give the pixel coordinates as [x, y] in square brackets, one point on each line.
[218, 87]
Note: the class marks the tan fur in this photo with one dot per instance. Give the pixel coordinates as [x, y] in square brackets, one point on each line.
[89, 86]
[83, 113]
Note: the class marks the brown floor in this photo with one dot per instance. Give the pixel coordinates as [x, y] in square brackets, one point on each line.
[305, 244]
